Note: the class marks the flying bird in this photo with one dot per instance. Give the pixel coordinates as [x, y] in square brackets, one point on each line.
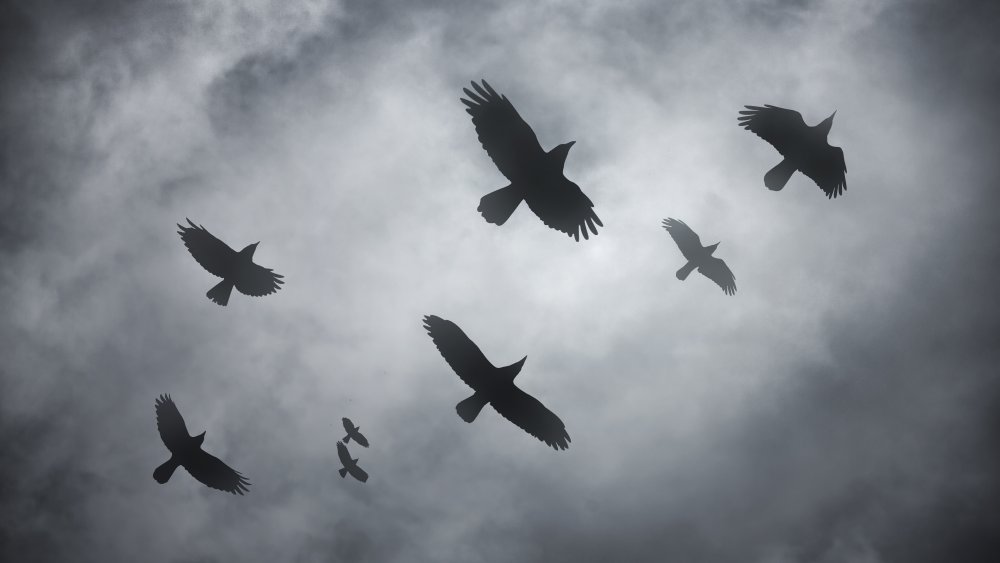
[354, 432]
[493, 385]
[186, 452]
[699, 256]
[350, 465]
[535, 176]
[805, 148]
[236, 269]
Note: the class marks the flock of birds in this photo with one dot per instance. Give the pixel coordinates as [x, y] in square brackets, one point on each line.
[536, 177]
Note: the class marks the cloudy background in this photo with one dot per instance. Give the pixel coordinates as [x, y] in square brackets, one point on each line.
[842, 407]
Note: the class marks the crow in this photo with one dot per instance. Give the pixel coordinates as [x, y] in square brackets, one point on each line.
[185, 451]
[354, 432]
[350, 465]
[804, 148]
[535, 176]
[235, 268]
[699, 256]
[493, 385]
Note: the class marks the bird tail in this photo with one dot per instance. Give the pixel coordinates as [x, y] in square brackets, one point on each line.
[346, 439]
[496, 207]
[220, 293]
[162, 473]
[343, 472]
[469, 408]
[684, 272]
[777, 177]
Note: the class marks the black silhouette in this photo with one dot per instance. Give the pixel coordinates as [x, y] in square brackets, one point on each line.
[493, 385]
[354, 432]
[185, 451]
[535, 176]
[235, 268]
[350, 465]
[804, 148]
[699, 256]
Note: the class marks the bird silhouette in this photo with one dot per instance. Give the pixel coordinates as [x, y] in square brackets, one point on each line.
[236, 269]
[493, 385]
[699, 256]
[805, 148]
[186, 452]
[354, 432]
[350, 465]
[535, 176]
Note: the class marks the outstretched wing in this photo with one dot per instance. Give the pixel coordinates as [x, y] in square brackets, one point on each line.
[458, 350]
[348, 425]
[211, 471]
[827, 168]
[531, 416]
[783, 128]
[170, 423]
[687, 240]
[258, 281]
[564, 207]
[343, 454]
[717, 270]
[213, 254]
[508, 140]
[360, 438]
[358, 473]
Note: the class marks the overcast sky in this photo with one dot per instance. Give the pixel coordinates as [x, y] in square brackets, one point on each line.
[842, 407]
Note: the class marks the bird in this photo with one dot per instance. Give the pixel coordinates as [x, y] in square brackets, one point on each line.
[354, 432]
[236, 269]
[186, 452]
[350, 465]
[493, 385]
[805, 148]
[536, 176]
[699, 256]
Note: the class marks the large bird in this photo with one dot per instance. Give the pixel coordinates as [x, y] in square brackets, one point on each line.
[805, 148]
[699, 256]
[236, 269]
[350, 465]
[493, 385]
[354, 432]
[186, 452]
[535, 176]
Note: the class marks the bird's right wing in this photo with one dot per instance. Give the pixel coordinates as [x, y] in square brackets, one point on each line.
[213, 254]
[170, 423]
[343, 454]
[564, 207]
[458, 350]
[360, 439]
[258, 281]
[783, 128]
[717, 270]
[687, 240]
[531, 416]
[828, 169]
[211, 471]
[507, 138]
[358, 473]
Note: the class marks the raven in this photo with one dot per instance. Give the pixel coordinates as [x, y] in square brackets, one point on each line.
[185, 451]
[699, 257]
[535, 176]
[354, 432]
[804, 148]
[235, 268]
[350, 465]
[493, 385]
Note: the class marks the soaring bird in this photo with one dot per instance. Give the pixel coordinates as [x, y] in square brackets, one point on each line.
[236, 269]
[493, 385]
[185, 451]
[535, 176]
[699, 256]
[804, 148]
[350, 465]
[354, 432]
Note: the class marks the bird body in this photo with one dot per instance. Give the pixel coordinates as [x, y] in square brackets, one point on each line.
[699, 257]
[350, 465]
[354, 432]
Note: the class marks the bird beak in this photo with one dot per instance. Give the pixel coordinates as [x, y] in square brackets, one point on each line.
[833, 114]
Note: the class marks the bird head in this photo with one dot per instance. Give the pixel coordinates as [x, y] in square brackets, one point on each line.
[200, 438]
[250, 249]
[826, 124]
[561, 151]
[712, 248]
[515, 368]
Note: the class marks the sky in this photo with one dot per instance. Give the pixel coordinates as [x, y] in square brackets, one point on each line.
[841, 407]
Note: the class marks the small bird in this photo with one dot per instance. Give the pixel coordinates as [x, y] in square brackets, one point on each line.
[805, 148]
[354, 432]
[536, 176]
[186, 452]
[699, 256]
[493, 385]
[236, 269]
[350, 465]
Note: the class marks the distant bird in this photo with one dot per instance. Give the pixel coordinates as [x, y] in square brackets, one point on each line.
[699, 256]
[185, 451]
[235, 268]
[350, 465]
[354, 432]
[493, 385]
[535, 176]
[804, 148]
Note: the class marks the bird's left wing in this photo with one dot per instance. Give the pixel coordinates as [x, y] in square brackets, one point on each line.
[211, 471]
[687, 240]
[531, 416]
[828, 169]
[258, 281]
[170, 423]
[716, 270]
[343, 454]
[360, 439]
[507, 138]
[213, 254]
[458, 350]
[564, 207]
[358, 473]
